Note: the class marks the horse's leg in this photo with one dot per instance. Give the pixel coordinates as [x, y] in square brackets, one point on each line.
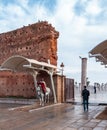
[45, 97]
[42, 99]
[48, 98]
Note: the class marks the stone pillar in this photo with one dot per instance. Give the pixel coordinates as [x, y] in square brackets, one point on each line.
[83, 72]
[60, 91]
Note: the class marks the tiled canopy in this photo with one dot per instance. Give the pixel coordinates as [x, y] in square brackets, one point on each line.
[100, 52]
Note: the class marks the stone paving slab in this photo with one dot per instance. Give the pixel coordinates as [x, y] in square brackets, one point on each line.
[54, 117]
[18, 100]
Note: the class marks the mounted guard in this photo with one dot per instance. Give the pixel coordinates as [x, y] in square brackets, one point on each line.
[43, 86]
[43, 92]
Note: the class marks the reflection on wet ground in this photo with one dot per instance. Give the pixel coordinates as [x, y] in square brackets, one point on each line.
[65, 116]
[56, 117]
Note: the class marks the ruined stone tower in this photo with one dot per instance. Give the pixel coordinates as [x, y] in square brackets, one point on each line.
[37, 41]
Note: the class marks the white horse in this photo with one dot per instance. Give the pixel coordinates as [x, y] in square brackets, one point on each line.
[43, 98]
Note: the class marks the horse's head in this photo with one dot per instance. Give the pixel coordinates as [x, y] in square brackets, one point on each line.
[38, 89]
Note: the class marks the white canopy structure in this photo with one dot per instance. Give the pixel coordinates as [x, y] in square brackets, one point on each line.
[100, 53]
[19, 63]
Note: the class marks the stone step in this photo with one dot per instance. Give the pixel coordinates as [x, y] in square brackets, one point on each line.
[18, 100]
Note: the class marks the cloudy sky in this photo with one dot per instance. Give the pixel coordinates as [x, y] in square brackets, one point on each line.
[82, 25]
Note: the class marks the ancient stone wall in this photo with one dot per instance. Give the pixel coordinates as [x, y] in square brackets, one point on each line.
[16, 85]
[37, 41]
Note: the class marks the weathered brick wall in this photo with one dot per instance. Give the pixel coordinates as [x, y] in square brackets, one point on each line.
[37, 41]
[16, 84]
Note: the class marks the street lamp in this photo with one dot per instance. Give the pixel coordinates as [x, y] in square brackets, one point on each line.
[62, 84]
[62, 67]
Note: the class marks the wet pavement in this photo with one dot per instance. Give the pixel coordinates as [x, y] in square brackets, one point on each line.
[10, 105]
[65, 116]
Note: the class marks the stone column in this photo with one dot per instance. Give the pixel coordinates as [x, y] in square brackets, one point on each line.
[83, 72]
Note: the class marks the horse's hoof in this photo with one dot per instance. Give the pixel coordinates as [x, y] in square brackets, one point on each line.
[43, 105]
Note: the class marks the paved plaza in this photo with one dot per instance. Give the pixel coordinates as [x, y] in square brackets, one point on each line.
[54, 117]
[65, 116]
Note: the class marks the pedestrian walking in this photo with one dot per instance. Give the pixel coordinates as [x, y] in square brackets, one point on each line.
[85, 95]
[94, 89]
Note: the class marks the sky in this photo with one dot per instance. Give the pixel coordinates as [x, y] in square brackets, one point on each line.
[82, 25]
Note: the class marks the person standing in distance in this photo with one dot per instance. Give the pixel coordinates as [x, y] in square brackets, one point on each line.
[94, 89]
[85, 95]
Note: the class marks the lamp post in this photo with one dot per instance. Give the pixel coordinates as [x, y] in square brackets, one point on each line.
[62, 67]
[62, 84]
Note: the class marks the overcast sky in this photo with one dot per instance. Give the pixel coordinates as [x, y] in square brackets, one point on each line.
[82, 25]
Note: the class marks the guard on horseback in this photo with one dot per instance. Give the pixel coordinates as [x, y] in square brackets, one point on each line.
[43, 92]
[42, 85]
